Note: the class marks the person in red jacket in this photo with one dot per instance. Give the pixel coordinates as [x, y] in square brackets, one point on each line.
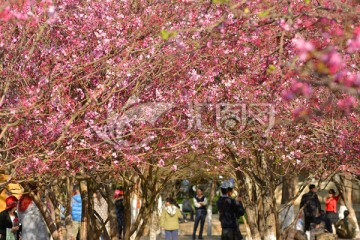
[331, 205]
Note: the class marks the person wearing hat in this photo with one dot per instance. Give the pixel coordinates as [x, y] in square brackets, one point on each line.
[331, 205]
[120, 210]
[7, 218]
[229, 212]
[238, 203]
[200, 203]
[311, 206]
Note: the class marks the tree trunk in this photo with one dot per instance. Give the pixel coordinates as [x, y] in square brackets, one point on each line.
[45, 213]
[248, 232]
[114, 231]
[209, 209]
[289, 188]
[268, 211]
[250, 200]
[260, 202]
[57, 212]
[68, 208]
[85, 210]
[345, 185]
[289, 191]
[154, 224]
[127, 213]
[95, 226]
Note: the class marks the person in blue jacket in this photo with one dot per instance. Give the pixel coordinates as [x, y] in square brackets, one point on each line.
[76, 212]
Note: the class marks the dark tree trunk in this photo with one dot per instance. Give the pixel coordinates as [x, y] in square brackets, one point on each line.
[114, 231]
[68, 207]
[344, 184]
[45, 213]
[289, 193]
[85, 211]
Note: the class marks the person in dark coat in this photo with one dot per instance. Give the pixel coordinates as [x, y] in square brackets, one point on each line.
[120, 210]
[187, 208]
[311, 205]
[7, 217]
[230, 211]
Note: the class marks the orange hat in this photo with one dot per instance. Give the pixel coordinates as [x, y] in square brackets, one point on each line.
[11, 202]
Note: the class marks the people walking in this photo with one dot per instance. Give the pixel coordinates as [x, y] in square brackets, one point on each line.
[7, 218]
[229, 212]
[170, 219]
[32, 221]
[120, 210]
[311, 205]
[200, 203]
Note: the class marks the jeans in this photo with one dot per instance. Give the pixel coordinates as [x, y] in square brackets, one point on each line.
[200, 215]
[120, 222]
[171, 234]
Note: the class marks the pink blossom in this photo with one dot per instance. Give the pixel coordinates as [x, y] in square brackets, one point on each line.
[287, 95]
[297, 88]
[300, 112]
[284, 25]
[333, 61]
[67, 165]
[354, 43]
[161, 163]
[303, 48]
[6, 14]
[347, 104]
[351, 79]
